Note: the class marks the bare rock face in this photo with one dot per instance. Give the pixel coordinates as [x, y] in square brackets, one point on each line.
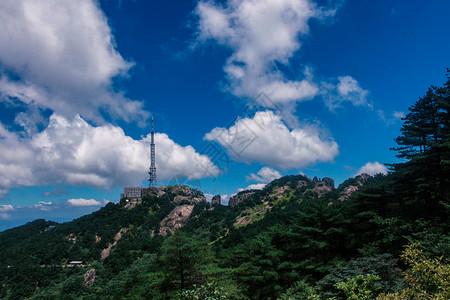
[321, 187]
[216, 200]
[362, 178]
[278, 192]
[89, 277]
[328, 181]
[107, 251]
[181, 193]
[98, 238]
[249, 215]
[175, 219]
[347, 192]
[236, 199]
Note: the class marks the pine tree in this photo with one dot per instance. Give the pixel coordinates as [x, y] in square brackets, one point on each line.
[424, 147]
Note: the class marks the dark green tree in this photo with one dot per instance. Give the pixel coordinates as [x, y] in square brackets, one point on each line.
[424, 147]
[181, 260]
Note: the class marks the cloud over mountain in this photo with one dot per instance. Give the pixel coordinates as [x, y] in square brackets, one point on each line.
[265, 175]
[373, 168]
[266, 139]
[83, 202]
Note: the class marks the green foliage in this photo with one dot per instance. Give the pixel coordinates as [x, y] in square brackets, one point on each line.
[382, 265]
[207, 291]
[300, 290]
[361, 287]
[427, 278]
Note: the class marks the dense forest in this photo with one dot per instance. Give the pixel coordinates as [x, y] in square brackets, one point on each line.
[380, 237]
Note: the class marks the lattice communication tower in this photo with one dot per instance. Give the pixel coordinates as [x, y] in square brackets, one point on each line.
[152, 172]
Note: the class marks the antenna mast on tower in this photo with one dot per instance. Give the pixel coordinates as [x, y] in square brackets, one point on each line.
[152, 172]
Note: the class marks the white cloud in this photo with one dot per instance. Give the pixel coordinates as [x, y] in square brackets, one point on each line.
[257, 186]
[267, 140]
[45, 206]
[398, 114]
[61, 55]
[77, 153]
[83, 202]
[265, 175]
[347, 89]
[261, 34]
[208, 197]
[5, 216]
[6, 207]
[373, 168]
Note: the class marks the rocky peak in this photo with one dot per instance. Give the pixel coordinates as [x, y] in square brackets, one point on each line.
[180, 194]
[349, 190]
[323, 186]
[216, 200]
[236, 199]
[362, 178]
[328, 182]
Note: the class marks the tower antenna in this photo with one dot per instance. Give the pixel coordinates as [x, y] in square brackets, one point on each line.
[152, 172]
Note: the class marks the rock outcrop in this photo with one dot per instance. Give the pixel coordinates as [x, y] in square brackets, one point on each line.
[216, 200]
[248, 216]
[321, 187]
[89, 277]
[175, 219]
[107, 251]
[328, 182]
[349, 190]
[236, 199]
[179, 193]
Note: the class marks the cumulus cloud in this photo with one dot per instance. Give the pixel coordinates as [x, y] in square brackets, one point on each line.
[347, 89]
[45, 206]
[61, 55]
[6, 207]
[83, 202]
[266, 139]
[265, 175]
[261, 34]
[256, 186]
[373, 168]
[264, 35]
[77, 153]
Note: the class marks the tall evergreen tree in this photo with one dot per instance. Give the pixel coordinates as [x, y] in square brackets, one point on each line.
[424, 146]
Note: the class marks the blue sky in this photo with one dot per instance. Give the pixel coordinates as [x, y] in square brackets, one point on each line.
[242, 92]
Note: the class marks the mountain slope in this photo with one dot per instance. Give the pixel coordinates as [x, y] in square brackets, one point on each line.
[265, 242]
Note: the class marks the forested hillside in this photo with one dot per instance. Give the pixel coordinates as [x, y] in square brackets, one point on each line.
[381, 237]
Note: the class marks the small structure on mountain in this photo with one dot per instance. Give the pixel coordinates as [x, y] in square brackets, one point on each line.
[131, 193]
